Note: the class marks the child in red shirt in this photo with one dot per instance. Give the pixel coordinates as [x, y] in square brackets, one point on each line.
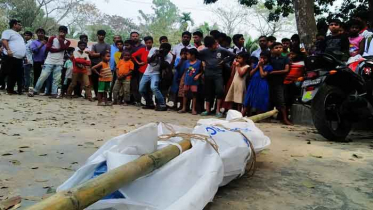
[80, 74]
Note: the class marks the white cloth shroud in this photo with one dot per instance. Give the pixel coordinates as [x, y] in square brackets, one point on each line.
[189, 181]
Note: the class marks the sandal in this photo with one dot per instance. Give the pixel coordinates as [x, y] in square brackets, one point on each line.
[181, 112]
[219, 115]
[205, 113]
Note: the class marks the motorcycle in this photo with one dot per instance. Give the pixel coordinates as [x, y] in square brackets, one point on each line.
[338, 95]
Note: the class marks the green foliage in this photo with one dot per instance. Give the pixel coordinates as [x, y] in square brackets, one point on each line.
[205, 28]
[163, 21]
[251, 44]
[83, 17]
[285, 7]
[37, 14]
[92, 32]
[185, 19]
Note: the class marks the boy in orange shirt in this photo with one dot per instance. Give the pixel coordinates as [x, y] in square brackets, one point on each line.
[122, 86]
[105, 78]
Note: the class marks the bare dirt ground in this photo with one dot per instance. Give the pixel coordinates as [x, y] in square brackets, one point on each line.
[42, 142]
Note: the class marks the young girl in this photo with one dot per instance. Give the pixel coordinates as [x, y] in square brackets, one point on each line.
[192, 69]
[357, 42]
[237, 90]
[257, 95]
[105, 78]
[178, 83]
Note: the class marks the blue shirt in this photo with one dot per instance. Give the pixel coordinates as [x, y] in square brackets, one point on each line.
[113, 50]
[191, 70]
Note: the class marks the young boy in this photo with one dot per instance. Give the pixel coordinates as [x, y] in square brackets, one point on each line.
[128, 46]
[214, 58]
[80, 74]
[27, 66]
[270, 41]
[286, 46]
[163, 39]
[117, 55]
[105, 77]
[56, 47]
[281, 66]
[69, 66]
[337, 44]
[122, 86]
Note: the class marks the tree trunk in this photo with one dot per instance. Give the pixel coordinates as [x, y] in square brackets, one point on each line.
[306, 23]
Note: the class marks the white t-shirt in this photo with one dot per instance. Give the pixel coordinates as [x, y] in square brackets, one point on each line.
[237, 50]
[177, 49]
[256, 53]
[153, 68]
[368, 50]
[55, 58]
[29, 52]
[16, 43]
[366, 34]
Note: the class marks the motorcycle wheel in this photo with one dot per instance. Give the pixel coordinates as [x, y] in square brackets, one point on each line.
[325, 109]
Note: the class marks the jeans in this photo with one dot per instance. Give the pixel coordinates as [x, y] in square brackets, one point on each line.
[48, 85]
[29, 76]
[49, 69]
[154, 84]
[38, 66]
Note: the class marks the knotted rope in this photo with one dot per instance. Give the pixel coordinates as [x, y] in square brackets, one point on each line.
[182, 135]
[252, 160]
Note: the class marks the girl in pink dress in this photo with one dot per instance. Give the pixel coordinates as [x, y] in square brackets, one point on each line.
[357, 42]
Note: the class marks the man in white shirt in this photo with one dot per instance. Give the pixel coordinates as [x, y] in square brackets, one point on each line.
[185, 43]
[158, 61]
[14, 52]
[56, 47]
[262, 47]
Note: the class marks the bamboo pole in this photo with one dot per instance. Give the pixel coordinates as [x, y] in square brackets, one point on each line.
[259, 117]
[95, 189]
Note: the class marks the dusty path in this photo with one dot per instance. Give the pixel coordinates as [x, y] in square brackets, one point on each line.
[42, 141]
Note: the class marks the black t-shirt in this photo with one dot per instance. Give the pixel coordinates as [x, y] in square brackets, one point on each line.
[278, 63]
[339, 43]
[213, 58]
[99, 48]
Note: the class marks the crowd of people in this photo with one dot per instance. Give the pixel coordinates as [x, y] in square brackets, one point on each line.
[206, 77]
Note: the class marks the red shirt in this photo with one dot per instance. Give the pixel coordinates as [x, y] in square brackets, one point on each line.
[296, 71]
[143, 54]
[80, 62]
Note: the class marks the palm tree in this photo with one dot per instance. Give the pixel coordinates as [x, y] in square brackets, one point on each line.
[251, 44]
[185, 19]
